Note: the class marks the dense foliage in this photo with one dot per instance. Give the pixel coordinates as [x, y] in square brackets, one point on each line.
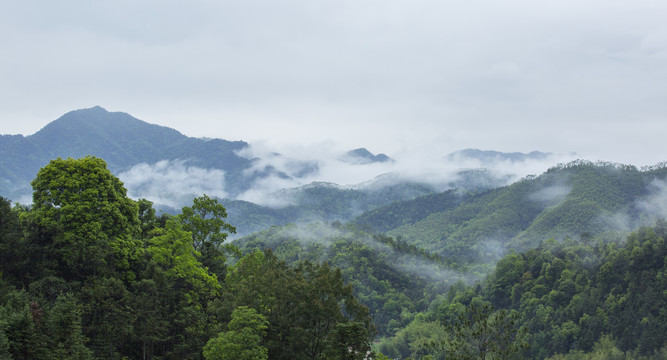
[88, 273]
[564, 297]
[319, 202]
[394, 279]
[576, 200]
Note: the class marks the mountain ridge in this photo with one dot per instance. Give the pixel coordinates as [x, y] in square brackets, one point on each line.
[120, 139]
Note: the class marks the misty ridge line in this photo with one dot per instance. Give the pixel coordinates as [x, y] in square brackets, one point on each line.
[327, 235]
[281, 176]
[290, 200]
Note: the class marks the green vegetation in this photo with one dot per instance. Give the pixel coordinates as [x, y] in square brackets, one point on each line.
[560, 298]
[87, 273]
[319, 202]
[538, 269]
[575, 200]
[243, 341]
[394, 279]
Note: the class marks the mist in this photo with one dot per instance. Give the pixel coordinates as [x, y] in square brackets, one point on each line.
[276, 167]
[299, 165]
[327, 235]
[551, 195]
[644, 211]
[172, 183]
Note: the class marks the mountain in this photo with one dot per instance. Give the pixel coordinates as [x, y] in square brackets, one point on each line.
[409, 200]
[319, 202]
[402, 256]
[120, 139]
[169, 168]
[577, 200]
[363, 156]
[490, 157]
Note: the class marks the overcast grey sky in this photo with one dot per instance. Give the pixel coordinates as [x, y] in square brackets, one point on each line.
[393, 76]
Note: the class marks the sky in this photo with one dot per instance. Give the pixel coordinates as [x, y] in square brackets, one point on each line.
[396, 77]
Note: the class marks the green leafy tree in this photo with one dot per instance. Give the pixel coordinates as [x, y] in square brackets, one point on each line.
[21, 324]
[64, 327]
[484, 334]
[150, 305]
[243, 340]
[4, 342]
[86, 212]
[348, 342]
[147, 217]
[12, 248]
[205, 221]
[303, 304]
[173, 251]
[106, 316]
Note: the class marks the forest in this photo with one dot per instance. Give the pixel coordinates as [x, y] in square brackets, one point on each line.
[88, 273]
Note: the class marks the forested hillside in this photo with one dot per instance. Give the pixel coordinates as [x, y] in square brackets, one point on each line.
[602, 298]
[599, 301]
[169, 168]
[393, 278]
[576, 200]
[404, 285]
[86, 272]
[319, 202]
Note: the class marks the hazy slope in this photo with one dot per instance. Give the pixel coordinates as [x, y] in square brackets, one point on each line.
[577, 199]
[120, 139]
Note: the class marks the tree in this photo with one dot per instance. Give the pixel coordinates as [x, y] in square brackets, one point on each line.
[349, 341]
[485, 334]
[12, 251]
[174, 253]
[85, 210]
[20, 327]
[303, 304]
[243, 340]
[205, 221]
[64, 327]
[147, 217]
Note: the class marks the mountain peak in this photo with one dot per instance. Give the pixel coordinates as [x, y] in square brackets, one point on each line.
[95, 108]
[363, 156]
[97, 124]
[490, 156]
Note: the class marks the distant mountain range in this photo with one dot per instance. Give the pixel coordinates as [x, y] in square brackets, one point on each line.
[169, 168]
[363, 156]
[124, 142]
[489, 156]
[120, 139]
[592, 203]
[580, 200]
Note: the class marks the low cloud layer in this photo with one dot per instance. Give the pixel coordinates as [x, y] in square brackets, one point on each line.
[430, 166]
[326, 235]
[172, 183]
[655, 203]
[552, 195]
[643, 212]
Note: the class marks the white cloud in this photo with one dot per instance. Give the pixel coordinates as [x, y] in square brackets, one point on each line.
[327, 162]
[172, 183]
[655, 204]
